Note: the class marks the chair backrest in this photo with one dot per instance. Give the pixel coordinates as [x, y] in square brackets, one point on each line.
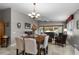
[19, 43]
[46, 41]
[63, 40]
[64, 37]
[60, 34]
[30, 46]
[25, 35]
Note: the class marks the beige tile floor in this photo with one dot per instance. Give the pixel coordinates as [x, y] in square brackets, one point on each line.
[52, 50]
[59, 50]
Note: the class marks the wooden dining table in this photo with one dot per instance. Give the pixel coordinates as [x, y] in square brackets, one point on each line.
[39, 40]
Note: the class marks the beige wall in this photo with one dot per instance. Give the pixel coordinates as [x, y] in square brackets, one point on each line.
[0, 14]
[15, 18]
[74, 39]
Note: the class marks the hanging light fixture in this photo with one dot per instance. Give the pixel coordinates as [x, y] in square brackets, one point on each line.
[34, 14]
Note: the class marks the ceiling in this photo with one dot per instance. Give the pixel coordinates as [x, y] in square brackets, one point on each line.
[48, 11]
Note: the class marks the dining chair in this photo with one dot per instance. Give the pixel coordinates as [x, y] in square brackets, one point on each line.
[44, 46]
[30, 46]
[19, 45]
[24, 34]
[61, 40]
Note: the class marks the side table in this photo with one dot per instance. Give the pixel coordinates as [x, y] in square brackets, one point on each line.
[6, 41]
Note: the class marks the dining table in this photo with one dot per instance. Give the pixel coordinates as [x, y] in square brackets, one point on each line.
[39, 40]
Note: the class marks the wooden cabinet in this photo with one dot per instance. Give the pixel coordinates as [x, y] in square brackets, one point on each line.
[2, 31]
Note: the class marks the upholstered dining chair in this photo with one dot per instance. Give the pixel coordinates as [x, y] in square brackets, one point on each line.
[30, 46]
[44, 46]
[61, 40]
[19, 45]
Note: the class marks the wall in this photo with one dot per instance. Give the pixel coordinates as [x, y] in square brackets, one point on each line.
[15, 18]
[12, 17]
[74, 40]
[0, 14]
[6, 16]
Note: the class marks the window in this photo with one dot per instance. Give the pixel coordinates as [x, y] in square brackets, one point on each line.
[58, 29]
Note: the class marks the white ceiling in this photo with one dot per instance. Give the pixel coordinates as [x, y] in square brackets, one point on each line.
[48, 11]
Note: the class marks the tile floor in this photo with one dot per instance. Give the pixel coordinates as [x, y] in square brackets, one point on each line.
[52, 50]
[59, 50]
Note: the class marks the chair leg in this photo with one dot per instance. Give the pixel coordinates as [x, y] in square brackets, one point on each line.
[17, 52]
[23, 52]
[44, 51]
[55, 43]
[26, 53]
[41, 50]
[47, 49]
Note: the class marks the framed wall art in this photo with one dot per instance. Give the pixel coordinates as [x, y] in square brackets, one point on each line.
[77, 24]
[27, 25]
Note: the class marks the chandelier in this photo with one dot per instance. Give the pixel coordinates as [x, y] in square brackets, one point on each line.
[34, 14]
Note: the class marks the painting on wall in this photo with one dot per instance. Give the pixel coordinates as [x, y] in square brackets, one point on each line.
[27, 25]
[77, 24]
